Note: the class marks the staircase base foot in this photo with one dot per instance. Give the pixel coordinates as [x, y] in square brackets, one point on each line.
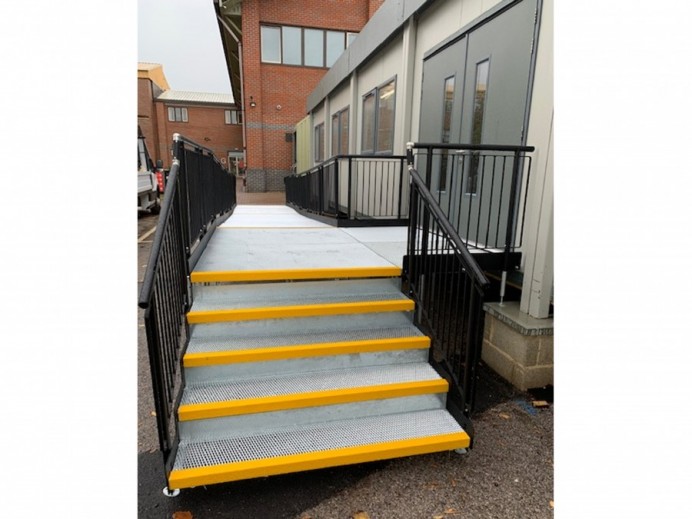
[461, 451]
[171, 493]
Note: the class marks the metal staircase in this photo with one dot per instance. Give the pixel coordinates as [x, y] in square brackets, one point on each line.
[274, 352]
[287, 376]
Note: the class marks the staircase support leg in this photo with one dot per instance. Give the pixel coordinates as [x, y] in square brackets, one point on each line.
[502, 286]
[171, 493]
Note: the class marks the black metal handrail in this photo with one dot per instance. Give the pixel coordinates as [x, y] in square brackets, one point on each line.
[448, 287]
[199, 194]
[481, 189]
[351, 190]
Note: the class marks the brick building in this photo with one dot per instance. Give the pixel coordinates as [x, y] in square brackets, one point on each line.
[277, 51]
[212, 120]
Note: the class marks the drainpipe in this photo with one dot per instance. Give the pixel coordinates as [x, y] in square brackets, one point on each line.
[242, 81]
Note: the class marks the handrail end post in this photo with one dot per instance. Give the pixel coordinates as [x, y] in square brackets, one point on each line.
[409, 154]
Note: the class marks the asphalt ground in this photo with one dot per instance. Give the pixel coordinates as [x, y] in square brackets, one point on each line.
[507, 475]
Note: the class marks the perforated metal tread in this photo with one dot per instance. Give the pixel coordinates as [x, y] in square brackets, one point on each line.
[316, 437]
[307, 383]
[268, 333]
[259, 295]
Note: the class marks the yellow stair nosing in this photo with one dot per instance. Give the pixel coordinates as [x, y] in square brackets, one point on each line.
[185, 478]
[294, 274]
[279, 312]
[215, 358]
[187, 412]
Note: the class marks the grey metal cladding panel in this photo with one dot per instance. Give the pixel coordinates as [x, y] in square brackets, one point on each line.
[386, 21]
[466, 28]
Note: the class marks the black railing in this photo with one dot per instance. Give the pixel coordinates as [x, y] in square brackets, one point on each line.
[469, 197]
[448, 287]
[353, 190]
[199, 194]
[481, 190]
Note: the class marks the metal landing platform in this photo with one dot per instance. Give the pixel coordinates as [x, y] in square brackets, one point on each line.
[277, 237]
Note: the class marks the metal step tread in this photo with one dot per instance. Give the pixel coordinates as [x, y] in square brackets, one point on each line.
[297, 325]
[226, 343]
[261, 295]
[326, 436]
[310, 382]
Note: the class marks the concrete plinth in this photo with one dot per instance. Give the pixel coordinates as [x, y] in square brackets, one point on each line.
[518, 347]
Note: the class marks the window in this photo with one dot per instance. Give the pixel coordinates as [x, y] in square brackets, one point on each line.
[319, 142]
[314, 48]
[448, 101]
[378, 119]
[368, 144]
[343, 132]
[482, 70]
[340, 132]
[271, 44]
[233, 117]
[291, 43]
[385, 118]
[303, 46]
[335, 46]
[177, 114]
[335, 134]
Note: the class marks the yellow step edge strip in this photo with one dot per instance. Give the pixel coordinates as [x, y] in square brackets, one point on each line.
[266, 404]
[215, 358]
[186, 478]
[293, 274]
[279, 312]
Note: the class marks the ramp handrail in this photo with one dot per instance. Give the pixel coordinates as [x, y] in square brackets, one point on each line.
[353, 190]
[199, 195]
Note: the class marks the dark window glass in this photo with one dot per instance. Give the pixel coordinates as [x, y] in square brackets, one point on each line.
[343, 133]
[482, 70]
[446, 127]
[385, 118]
[368, 144]
[319, 142]
[335, 135]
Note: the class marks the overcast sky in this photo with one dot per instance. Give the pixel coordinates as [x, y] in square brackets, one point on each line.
[183, 36]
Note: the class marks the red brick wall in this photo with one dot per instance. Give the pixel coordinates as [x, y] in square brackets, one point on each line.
[345, 15]
[204, 122]
[146, 115]
[271, 85]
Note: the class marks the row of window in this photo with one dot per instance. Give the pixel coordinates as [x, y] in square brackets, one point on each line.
[178, 114]
[378, 125]
[303, 46]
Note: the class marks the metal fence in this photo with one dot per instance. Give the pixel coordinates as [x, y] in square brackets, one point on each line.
[199, 194]
[448, 287]
[353, 190]
[481, 190]
[464, 196]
